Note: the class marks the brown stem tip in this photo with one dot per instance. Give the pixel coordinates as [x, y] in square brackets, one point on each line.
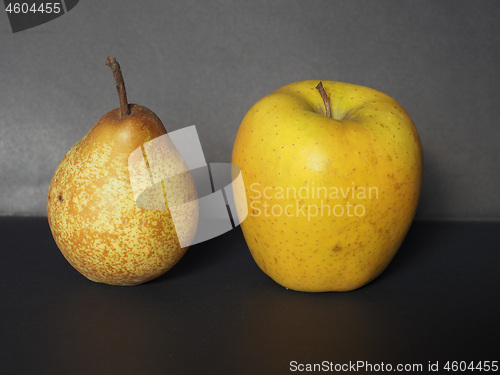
[120, 85]
[326, 99]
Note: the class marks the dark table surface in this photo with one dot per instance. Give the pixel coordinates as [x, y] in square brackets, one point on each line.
[215, 312]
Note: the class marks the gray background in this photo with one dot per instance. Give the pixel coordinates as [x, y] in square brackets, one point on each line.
[207, 62]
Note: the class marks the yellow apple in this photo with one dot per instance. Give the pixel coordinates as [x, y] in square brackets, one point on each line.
[332, 175]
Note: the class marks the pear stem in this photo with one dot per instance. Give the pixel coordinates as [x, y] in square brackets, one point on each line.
[120, 85]
[326, 99]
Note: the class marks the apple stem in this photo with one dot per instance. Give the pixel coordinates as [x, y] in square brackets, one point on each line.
[120, 85]
[326, 99]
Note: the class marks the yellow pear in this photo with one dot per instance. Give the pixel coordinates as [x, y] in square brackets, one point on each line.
[91, 206]
[332, 175]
